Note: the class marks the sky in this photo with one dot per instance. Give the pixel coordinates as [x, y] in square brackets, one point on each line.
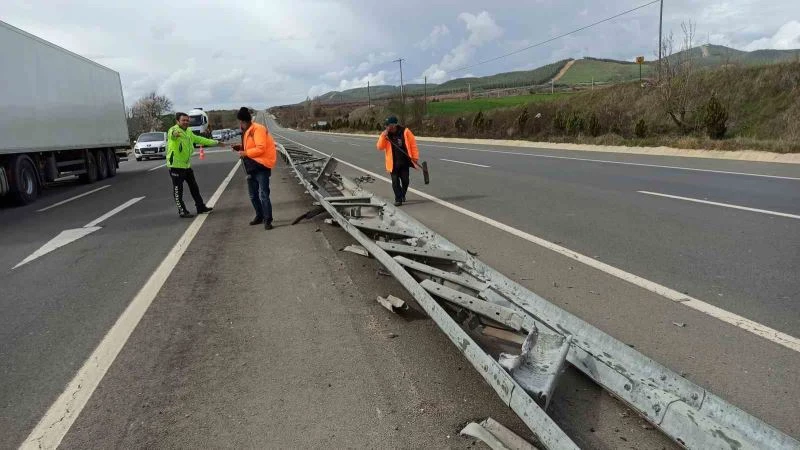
[225, 54]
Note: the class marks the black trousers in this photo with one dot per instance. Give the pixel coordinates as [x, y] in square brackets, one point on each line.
[178, 177]
[400, 183]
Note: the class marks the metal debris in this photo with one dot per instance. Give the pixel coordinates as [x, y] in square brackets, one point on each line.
[688, 413]
[496, 436]
[357, 249]
[392, 303]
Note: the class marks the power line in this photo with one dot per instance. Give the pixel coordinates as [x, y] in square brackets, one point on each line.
[553, 38]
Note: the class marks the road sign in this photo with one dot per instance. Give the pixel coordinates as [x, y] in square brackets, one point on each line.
[640, 60]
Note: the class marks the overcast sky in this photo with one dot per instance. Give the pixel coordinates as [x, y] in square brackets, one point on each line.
[261, 53]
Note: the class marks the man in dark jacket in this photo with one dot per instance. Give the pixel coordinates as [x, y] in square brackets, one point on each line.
[400, 154]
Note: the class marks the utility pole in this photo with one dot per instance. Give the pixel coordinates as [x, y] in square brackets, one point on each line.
[469, 91]
[402, 93]
[552, 86]
[425, 94]
[369, 97]
[660, 25]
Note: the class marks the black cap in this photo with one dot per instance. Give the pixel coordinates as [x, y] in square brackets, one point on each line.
[244, 114]
[391, 120]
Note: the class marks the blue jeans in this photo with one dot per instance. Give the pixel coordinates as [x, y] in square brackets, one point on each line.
[258, 186]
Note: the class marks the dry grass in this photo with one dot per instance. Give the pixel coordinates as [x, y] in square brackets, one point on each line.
[763, 105]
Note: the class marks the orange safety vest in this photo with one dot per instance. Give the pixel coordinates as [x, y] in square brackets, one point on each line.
[386, 147]
[259, 145]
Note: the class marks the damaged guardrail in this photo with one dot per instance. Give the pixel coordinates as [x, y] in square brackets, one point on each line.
[478, 297]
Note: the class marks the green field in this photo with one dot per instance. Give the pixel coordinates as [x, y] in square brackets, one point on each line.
[603, 72]
[454, 107]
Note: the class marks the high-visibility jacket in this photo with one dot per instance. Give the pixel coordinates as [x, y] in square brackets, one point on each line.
[386, 147]
[180, 148]
[259, 145]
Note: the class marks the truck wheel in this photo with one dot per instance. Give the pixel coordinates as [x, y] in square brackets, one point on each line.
[111, 157]
[24, 182]
[102, 164]
[91, 169]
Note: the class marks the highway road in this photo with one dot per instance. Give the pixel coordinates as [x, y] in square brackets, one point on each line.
[57, 307]
[59, 303]
[529, 212]
[641, 214]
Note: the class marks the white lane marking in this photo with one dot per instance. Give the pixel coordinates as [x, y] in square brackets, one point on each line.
[462, 162]
[624, 163]
[157, 167]
[726, 205]
[73, 198]
[62, 239]
[59, 418]
[736, 320]
[72, 235]
[354, 144]
[114, 211]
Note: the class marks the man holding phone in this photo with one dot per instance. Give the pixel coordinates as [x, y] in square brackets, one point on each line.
[258, 156]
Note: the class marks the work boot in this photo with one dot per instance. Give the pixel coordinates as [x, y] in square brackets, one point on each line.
[398, 202]
[257, 220]
[204, 209]
[268, 225]
[185, 214]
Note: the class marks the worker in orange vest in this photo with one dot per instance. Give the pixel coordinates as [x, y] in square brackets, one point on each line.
[258, 156]
[401, 154]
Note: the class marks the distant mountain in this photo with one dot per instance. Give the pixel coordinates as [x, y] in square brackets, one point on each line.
[582, 71]
[718, 55]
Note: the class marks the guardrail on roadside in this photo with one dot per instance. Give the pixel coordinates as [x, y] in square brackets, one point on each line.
[468, 291]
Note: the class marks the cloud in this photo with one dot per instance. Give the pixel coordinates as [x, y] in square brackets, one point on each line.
[268, 53]
[786, 38]
[481, 29]
[375, 59]
[333, 76]
[438, 32]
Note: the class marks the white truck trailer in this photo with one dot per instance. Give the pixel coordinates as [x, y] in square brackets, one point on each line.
[60, 115]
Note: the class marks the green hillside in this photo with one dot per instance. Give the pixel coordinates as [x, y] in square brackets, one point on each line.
[603, 71]
[508, 79]
[582, 71]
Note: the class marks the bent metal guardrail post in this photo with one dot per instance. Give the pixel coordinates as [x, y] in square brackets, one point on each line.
[430, 267]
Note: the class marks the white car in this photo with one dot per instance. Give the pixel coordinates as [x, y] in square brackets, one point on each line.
[151, 145]
[218, 135]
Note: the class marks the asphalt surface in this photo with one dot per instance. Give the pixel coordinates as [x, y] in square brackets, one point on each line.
[749, 371]
[275, 340]
[306, 358]
[57, 308]
[744, 262]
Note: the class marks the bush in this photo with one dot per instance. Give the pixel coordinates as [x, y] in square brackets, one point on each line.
[715, 118]
[641, 129]
[560, 121]
[522, 119]
[479, 122]
[461, 125]
[575, 124]
[593, 125]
